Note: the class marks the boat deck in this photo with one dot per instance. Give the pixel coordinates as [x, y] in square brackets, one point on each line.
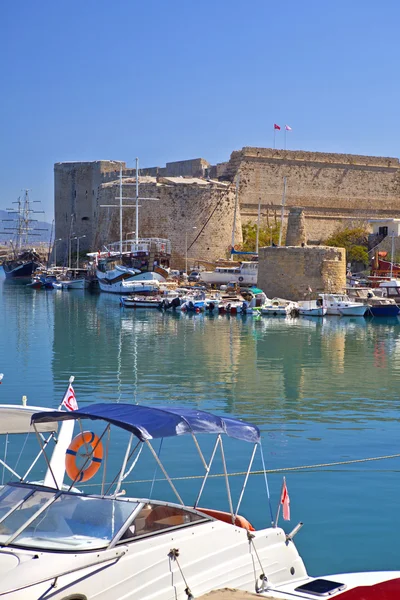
[229, 594]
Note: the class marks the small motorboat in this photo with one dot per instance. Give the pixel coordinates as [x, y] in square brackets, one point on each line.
[140, 301]
[278, 307]
[312, 308]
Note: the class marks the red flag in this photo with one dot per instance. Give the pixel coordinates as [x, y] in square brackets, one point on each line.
[285, 501]
[69, 400]
[276, 126]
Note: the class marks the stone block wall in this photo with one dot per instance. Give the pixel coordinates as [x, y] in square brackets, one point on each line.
[76, 187]
[289, 272]
[332, 188]
[179, 209]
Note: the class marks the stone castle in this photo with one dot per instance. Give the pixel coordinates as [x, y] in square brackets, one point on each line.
[196, 200]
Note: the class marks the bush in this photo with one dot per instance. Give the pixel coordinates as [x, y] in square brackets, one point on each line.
[354, 240]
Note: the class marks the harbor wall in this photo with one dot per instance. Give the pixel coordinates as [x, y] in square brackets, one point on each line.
[202, 211]
[291, 271]
[334, 189]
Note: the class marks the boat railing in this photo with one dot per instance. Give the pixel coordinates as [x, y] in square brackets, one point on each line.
[163, 246]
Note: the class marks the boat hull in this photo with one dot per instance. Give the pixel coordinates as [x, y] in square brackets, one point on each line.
[23, 271]
[386, 310]
[353, 311]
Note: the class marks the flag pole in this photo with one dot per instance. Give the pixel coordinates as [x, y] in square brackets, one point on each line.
[284, 140]
[70, 382]
[278, 512]
[274, 135]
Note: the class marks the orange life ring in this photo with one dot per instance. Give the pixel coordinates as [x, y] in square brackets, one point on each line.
[95, 456]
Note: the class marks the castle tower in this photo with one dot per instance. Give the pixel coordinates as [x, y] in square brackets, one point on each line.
[296, 234]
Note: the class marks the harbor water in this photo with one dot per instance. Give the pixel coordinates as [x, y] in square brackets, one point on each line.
[321, 391]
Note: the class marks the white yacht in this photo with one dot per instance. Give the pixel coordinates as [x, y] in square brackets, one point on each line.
[245, 273]
[68, 544]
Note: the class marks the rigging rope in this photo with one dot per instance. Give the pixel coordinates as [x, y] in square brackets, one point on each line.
[280, 470]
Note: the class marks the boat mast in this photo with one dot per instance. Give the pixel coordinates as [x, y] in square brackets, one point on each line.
[282, 211]
[137, 202]
[120, 208]
[258, 224]
[234, 215]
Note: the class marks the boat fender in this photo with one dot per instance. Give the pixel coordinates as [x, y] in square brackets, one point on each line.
[93, 451]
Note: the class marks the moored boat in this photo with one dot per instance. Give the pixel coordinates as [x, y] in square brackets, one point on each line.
[140, 301]
[378, 306]
[189, 549]
[312, 308]
[340, 304]
[245, 273]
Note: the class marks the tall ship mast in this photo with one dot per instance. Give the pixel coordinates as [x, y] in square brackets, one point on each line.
[23, 260]
[132, 266]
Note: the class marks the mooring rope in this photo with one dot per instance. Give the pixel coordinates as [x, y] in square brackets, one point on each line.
[261, 472]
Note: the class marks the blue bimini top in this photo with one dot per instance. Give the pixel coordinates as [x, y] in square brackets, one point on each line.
[147, 422]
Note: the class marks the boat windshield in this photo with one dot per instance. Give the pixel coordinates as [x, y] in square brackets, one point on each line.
[39, 518]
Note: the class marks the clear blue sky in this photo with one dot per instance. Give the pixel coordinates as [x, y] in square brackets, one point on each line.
[168, 80]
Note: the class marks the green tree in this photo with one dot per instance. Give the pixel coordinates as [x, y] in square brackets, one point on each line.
[266, 236]
[354, 240]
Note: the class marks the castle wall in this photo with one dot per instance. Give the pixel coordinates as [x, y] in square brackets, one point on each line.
[76, 187]
[289, 272]
[179, 208]
[332, 188]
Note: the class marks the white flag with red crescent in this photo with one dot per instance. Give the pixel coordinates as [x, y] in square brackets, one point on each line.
[69, 400]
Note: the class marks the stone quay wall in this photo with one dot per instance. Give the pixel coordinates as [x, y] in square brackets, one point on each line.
[203, 212]
[332, 188]
[288, 272]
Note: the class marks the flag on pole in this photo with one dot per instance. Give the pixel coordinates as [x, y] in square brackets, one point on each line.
[288, 128]
[285, 501]
[69, 400]
[276, 126]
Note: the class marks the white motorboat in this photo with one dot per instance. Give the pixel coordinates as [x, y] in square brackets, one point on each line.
[245, 273]
[278, 307]
[107, 544]
[140, 301]
[74, 284]
[312, 308]
[340, 304]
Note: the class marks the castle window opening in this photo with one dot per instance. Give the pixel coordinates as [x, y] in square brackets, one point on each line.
[383, 231]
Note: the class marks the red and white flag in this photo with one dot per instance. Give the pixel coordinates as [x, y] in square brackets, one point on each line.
[69, 400]
[288, 128]
[285, 501]
[276, 126]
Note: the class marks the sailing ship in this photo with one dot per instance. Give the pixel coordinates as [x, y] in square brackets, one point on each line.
[132, 266]
[24, 260]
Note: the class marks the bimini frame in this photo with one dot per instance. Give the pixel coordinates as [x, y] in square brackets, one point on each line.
[176, 422]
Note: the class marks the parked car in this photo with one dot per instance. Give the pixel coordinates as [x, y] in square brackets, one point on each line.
[194, 276]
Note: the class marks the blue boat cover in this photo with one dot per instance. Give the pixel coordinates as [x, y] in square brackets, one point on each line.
[147, 422]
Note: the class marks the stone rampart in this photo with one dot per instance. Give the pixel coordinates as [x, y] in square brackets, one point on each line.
[204, 212]
[289, 272]
[332, 188]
